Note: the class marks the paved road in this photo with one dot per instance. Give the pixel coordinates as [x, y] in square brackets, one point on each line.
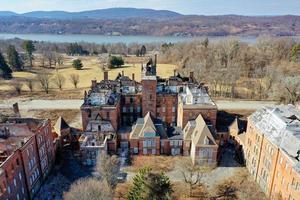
[75, 104]
[44, 104]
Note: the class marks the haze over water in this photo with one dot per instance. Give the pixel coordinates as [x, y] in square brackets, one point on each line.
[100, 39]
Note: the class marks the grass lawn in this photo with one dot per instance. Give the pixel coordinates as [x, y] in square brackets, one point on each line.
[156, 163]
[92, 70]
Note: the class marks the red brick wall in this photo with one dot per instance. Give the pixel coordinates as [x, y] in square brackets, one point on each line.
[213, 157]
[167, 102]
[166, 148]
[29, 154]
[109, 113]
[149, 97]
[45, 148]
[129, 101]
[12, 181]
[192, 114]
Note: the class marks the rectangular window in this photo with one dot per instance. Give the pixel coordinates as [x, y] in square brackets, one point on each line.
[124, 109]
[163, 109]
[173, 109]
[153, 151]
[145, 151]
[173, 119]
[135, 150]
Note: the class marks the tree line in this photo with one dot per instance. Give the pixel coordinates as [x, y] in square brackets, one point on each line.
[267, 69]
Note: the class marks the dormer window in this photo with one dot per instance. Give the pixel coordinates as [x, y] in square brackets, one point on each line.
[206, 141]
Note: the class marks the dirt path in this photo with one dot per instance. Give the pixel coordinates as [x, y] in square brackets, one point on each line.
[75, 104]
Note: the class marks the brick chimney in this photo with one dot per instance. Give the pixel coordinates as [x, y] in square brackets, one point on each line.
[94, 83]
[174, 72]
[155, 59]
[122, 72]
[133, 76]
[16, 110]
[85, 96]
[191, 76]
[105, 75]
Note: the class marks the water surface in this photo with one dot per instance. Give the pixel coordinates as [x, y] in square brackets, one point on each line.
[101, 39]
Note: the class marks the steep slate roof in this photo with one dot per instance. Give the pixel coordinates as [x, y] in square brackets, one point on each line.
[235, 125]
[145, 126]
[189, 129]
[281, 125]
[238, 125]
[201, 133]
[60, 125]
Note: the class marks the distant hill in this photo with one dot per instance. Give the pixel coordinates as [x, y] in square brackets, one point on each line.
[110, 13]
[132, 21]
[7, 14]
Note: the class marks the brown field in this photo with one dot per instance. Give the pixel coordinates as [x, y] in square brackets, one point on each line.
[92, 70]
[156, 163]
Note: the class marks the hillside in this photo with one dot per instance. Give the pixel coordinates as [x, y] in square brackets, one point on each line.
[131, 21]
[110, 13]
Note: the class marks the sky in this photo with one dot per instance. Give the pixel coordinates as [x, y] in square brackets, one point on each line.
[200, 7]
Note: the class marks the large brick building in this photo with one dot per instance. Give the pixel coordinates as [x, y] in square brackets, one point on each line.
[156, 109]
[27, 155]
[272, 149]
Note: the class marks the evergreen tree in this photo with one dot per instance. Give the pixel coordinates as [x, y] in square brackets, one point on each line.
[14, 59]
[157, 187]
[137, 53]
[77, 64]
[76, 49]
[5, 71]
[148, 185]
[115, 61]
[29, 48]
[143, 51]
[136, 191]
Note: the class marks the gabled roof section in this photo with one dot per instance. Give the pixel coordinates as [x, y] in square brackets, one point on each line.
[145, 128]
[201, 134]
[148, 123]
[60, 125]
[189, 129]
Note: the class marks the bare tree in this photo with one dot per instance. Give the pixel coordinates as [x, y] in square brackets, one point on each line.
[288, 89]
[109, 168]
[226, 191]
[18, 87]
[59, 59]
[89, 189]
[59, 80]
[44, 80]
[29, 82]
[192, 174]
[74, 79]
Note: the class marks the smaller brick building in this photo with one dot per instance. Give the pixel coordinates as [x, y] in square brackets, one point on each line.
[27, 155]
[199, 142]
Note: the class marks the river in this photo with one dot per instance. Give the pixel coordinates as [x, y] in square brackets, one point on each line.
[101, 39]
